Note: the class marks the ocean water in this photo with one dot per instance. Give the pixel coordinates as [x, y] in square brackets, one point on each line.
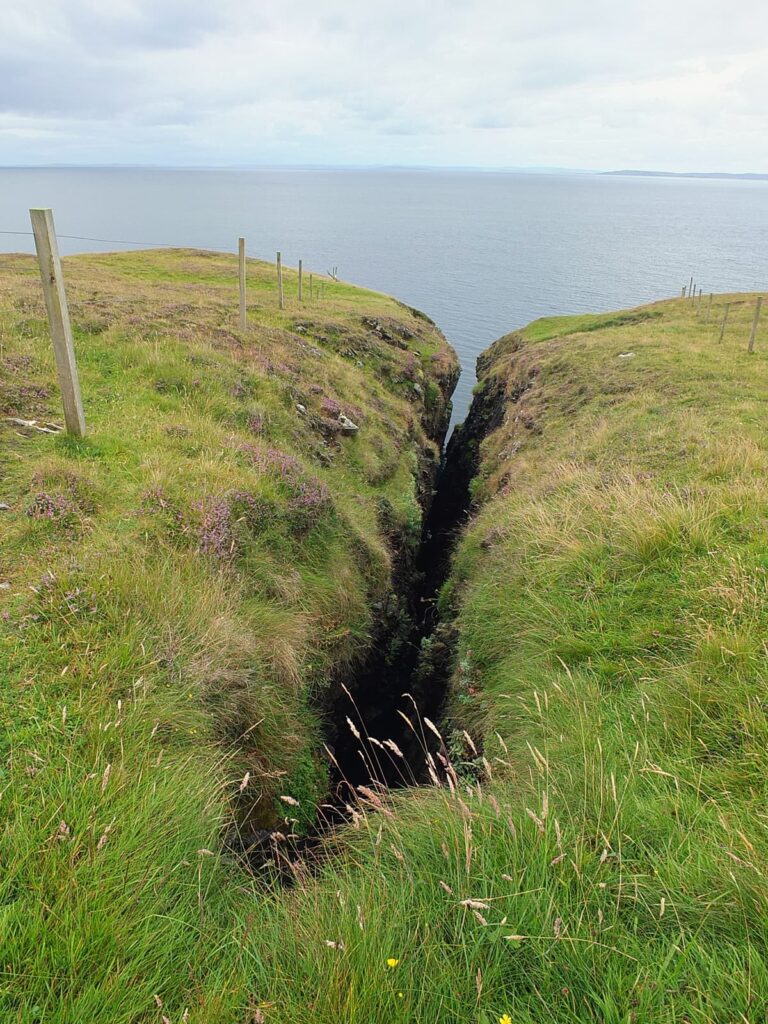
[480, 252]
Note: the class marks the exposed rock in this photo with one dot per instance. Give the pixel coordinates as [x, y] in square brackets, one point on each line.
[329, 428]
[347, 426]
[392, 332]
[377, 327]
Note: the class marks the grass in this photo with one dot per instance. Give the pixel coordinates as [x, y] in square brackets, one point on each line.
[180, 589]
[595, 848]
[604, 812]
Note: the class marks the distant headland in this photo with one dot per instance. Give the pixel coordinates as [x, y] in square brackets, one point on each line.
[688, 174]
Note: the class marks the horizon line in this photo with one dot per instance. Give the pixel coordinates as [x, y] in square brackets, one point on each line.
[471, 168]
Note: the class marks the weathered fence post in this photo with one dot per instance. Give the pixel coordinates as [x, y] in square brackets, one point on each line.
[241, 269]
[58, 319]
[280, 281]
[682, 294]
[690, 288]
[300, 277]
[725, 321]
[752, 336]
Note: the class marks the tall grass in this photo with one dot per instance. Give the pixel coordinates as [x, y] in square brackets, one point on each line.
[179, 589]
[592, 847]
[595, 846]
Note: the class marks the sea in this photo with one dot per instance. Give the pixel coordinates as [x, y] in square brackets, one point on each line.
[481, 252]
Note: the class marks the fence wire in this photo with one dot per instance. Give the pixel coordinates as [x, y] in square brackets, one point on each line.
[228, 250]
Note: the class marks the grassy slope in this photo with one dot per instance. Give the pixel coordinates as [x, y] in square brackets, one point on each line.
[611, 600]
[175, 589]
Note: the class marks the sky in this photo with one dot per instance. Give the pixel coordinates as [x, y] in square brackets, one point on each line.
[492, 83]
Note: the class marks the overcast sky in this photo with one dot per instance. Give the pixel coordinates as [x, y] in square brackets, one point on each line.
[491, 83]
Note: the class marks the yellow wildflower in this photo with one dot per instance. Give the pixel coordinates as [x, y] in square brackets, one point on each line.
[391, 962]
[506, 1019]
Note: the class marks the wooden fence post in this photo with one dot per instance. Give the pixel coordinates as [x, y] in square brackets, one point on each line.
[280, 281]
[690, 288]
[241, 267]
[752, 336]
[58, 318]
[300, 277]
[682, 296]
[725, 321]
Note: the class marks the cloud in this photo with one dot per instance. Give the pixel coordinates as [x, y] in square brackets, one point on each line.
[404, 81]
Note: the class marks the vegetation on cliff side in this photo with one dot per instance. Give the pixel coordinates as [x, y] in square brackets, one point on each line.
[177, 592]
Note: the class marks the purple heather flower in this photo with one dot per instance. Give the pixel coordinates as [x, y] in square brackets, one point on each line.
[54, 507]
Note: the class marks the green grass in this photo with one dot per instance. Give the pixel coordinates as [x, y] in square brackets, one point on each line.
[610, 597]
[603, 804]
[180, 589]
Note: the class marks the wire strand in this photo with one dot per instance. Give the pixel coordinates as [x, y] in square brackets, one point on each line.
[155, 245]
[121, 241]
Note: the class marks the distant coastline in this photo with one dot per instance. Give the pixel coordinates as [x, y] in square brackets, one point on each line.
[688, 174]
[386, 168]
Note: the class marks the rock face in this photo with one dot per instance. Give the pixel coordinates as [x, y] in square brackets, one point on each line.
[460, 464]
[347, 426]
[391, 666]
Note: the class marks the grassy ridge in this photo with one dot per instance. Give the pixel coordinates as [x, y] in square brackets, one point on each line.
[178, 590]
[611, 600]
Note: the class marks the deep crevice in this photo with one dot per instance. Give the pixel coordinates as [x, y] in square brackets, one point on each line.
[395, 682]
[418, 661]
[406, 674]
